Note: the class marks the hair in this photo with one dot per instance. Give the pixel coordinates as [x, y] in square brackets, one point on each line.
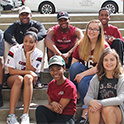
[101, 70]
[104, 8]
[33, 32]
[85, 44]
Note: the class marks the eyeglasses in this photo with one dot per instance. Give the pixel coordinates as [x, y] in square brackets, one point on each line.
[94, 30]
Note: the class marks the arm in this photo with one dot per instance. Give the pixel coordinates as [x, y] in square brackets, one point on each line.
[9, 33]
[90, 71]
[79, 35]
[50, 44]
[28, 61]
[41, 31]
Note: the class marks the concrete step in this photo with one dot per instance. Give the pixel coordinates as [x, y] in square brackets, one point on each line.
[10, 18]
[4, 111]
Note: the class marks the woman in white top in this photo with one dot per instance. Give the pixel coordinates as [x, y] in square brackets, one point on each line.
[23, 61]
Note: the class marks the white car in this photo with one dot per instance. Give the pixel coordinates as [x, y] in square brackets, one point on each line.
[52, 6]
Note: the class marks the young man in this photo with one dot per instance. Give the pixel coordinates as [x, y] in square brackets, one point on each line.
[61, 39]
[112, 34]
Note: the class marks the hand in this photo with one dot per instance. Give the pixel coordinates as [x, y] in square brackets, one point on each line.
[57, 107]
[111, 39]
[95, 105]
[29, 52]
[35, 77]
[79, 77]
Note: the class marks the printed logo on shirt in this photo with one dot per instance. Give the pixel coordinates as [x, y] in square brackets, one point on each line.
[61, 93]
[64, 41]
[22, 63]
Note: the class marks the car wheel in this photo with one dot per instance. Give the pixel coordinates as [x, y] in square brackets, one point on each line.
[47, 8]
[113, 8]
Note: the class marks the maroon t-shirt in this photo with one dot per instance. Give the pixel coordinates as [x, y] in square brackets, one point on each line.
[64, 41]
[65, 90]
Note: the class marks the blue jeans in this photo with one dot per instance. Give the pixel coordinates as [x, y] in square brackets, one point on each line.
[83, 85]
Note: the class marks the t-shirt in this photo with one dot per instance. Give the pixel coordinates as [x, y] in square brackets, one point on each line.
[16, 58]
[107, 88]
[112, 31]
[65, 90]
[89, 63]
[64, 41]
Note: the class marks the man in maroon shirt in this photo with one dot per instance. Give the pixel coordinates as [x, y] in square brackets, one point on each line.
[61, 39]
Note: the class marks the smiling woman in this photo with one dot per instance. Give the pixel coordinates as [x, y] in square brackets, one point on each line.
[52, 6]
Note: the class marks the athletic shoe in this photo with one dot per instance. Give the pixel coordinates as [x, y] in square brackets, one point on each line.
[80, 120]
[25, 119]
[12, 119]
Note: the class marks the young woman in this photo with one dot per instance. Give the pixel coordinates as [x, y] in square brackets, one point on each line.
[85, 58]
[62, 96]
[23, 61]
[105, 95]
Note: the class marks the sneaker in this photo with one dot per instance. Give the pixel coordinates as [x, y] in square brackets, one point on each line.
[80, 120]
[25, 119]
[12, 119]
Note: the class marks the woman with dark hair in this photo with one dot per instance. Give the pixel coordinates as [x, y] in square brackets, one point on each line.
[105, 95]
[24, 62]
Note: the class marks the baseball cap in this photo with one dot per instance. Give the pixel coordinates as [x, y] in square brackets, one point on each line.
[24, 9]
[56, 60]
[62, 14]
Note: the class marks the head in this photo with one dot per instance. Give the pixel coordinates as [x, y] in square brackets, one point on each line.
[94, 32]
[109, 62]
[25, 14]
[63, 20]
[30, 40]
[57, 67]
[104, 15]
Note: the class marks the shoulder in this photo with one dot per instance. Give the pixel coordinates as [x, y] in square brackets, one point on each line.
[121, 78]
[70, 84]
[112, 27]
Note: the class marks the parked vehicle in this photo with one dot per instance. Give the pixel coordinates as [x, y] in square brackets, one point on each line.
[6, 5]
[52, 6]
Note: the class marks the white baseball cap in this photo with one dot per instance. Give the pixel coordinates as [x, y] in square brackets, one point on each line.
[24, 9]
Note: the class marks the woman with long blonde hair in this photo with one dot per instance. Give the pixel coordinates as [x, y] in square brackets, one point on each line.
[85, 58]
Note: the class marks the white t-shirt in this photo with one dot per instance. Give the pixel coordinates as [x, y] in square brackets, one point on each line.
[16, 58]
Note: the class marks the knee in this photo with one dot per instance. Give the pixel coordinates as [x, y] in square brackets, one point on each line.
[107, 110]
[28, 79]
[39, 109]
[19, 80]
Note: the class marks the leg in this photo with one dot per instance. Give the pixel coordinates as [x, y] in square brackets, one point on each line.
[94, 118]
[50, 53]
[117, 44]
[44, 115]
[111, 115]
[15, 83]
[75, 69]
[27, 92]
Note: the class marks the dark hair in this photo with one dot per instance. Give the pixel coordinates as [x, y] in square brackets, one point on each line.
[101, 70]
[104, 8]
[33, 32]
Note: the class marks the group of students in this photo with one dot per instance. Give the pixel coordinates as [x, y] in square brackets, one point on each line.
[96, 72]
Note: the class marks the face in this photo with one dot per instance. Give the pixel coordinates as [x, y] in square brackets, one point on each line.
[57, 72]
[63, 23]
[29, 43]
[104, 17]
[25, 17]
[109, 62]
[93, 31]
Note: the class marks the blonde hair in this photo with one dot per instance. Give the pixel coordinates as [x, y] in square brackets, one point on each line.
[85, 44]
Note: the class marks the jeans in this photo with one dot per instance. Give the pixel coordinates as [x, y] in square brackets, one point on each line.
[83, 85]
